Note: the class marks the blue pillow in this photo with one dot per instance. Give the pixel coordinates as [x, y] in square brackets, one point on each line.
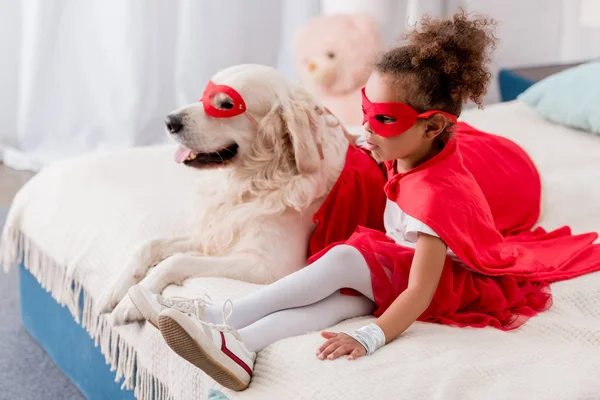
[570, 97]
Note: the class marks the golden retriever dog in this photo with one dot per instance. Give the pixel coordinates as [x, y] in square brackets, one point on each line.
[278, 159]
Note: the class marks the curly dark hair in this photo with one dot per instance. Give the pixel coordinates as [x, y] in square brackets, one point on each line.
[444, 61]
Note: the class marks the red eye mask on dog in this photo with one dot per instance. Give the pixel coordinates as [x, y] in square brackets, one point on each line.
[239, 106]
[405, 116]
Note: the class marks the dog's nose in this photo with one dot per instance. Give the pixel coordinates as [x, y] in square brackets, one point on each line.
[174, 123]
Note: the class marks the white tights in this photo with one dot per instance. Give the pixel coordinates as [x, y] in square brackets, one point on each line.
[305, 301]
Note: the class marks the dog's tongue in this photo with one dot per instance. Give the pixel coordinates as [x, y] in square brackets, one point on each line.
[182, 154]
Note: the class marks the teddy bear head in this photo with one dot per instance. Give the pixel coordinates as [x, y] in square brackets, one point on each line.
[334, 54]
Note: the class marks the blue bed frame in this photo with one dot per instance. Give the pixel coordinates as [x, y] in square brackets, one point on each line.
[66, 342]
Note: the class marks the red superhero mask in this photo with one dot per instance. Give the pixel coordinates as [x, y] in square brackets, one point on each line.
[239, 106]
[405, 116]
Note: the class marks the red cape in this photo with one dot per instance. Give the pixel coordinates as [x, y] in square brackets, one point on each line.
[511, 183]
[446, 196]
[357, 199]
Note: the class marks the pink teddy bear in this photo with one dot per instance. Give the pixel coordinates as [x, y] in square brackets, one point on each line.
[334, 56]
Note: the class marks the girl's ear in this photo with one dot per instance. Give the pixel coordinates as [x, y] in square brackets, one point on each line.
[434, 126]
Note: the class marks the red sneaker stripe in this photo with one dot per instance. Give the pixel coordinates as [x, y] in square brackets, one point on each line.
[235, 358]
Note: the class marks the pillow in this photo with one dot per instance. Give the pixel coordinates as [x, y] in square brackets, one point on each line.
[570, 97]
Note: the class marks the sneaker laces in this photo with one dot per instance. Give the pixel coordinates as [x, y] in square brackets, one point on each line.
[226, 313]
[184, 304]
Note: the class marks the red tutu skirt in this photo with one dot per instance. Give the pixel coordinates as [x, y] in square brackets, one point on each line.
[463, 297]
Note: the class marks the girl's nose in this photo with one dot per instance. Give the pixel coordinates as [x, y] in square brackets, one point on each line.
[368, 130]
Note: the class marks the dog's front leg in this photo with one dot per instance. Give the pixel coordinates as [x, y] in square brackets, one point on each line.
[147, 256]
[178, 268]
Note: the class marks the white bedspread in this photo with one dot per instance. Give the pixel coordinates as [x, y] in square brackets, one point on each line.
[78, 221]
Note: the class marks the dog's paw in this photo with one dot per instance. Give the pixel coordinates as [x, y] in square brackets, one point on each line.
[126, 312]
[115, 293]
[107, 302]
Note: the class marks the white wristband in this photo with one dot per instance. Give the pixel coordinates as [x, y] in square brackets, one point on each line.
[370, 336]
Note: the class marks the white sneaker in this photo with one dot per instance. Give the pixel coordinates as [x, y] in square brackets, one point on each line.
[150, 304]
[217, 350]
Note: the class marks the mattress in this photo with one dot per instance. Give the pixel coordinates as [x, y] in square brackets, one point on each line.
[66, 342]
[554, 356]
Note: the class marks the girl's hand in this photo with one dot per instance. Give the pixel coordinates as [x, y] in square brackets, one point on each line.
[339, 344]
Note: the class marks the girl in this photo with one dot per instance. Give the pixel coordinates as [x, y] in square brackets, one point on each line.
[443, 258]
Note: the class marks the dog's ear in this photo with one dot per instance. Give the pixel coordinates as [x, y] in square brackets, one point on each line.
[295, 121]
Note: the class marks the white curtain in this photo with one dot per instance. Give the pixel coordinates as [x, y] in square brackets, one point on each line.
[80, 76]
[86, 76]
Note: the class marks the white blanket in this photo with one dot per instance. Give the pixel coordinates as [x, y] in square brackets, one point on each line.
[78, 221]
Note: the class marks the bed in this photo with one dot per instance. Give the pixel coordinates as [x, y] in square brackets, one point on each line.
[60, 224]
